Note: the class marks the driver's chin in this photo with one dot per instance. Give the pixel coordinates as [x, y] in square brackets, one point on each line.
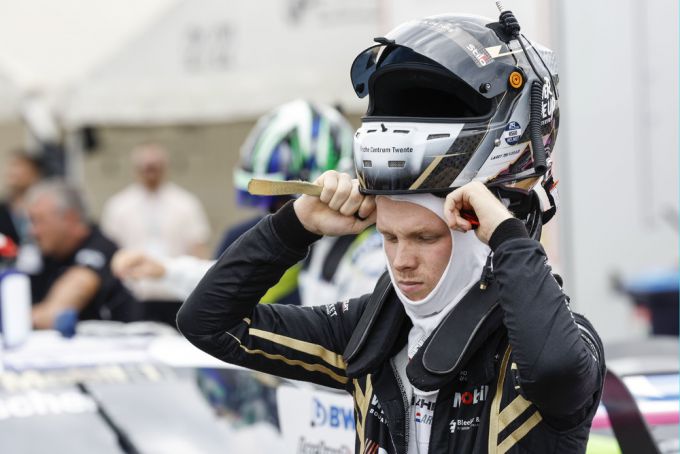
[415, 293]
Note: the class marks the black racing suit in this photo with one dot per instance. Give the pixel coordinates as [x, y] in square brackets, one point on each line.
[531, 386]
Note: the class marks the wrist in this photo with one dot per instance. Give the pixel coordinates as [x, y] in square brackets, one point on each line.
[299, 208]
[290, 228]
[508, 229]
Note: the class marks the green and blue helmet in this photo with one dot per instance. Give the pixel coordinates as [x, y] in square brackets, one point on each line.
[297, 141]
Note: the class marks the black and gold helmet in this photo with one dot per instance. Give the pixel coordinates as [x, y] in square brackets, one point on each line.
[453, 99]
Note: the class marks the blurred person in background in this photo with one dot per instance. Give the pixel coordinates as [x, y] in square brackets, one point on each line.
[21, 172]
[74, 280]
[159, 218]
[176, 275]
[154, 214]
[298, 140]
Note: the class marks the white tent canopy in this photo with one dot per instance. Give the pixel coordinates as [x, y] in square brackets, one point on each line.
[220, 61]
[215, 60]
[176, 61]
[48, 47]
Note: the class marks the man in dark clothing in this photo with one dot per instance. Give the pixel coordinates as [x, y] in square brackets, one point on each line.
[467, 345]
[21, 172]
[74, 274]
[527, 380]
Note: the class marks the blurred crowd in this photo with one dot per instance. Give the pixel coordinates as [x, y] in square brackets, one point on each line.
[150, 248]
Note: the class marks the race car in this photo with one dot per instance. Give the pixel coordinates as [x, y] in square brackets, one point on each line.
[142, 388]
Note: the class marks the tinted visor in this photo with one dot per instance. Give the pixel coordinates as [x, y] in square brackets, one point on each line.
[419, 91]
[460, 45]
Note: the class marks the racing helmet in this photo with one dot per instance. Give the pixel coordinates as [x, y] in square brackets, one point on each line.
[457, 98]
[298, 140]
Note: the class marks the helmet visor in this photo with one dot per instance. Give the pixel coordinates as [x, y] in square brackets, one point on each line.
[468, 49]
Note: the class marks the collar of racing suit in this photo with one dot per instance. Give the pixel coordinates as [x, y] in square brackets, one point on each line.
[460, 335]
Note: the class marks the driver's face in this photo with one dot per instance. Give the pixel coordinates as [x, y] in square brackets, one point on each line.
[418, 245]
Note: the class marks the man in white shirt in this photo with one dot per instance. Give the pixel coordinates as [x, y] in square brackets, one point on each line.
[156, 216]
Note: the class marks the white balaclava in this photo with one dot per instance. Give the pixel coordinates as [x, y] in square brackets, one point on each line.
[466, 262]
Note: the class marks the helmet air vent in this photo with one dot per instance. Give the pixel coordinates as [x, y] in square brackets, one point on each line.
[368, 163]
[401, 131]
[438, 136]
[396, 164]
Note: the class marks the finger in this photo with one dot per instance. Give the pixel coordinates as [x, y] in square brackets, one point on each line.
[462, 224]
[453, 207]
[449, 207]
[461, 198]
[319, 179]
[128, 272]
[342, 191]
[329, 181]
[353, 202]
[361, 225]
[123, 261]
[142, 270]
[367, 207]
[117, 267]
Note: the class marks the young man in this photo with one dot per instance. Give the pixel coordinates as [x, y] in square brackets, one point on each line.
[467, 344]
